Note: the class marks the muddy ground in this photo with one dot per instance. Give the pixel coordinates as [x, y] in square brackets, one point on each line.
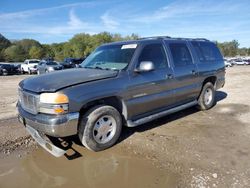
[190, 148]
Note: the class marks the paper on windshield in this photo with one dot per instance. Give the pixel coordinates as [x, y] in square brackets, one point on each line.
[128, 46]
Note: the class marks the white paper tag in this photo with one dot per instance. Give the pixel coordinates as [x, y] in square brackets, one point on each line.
[127, 46]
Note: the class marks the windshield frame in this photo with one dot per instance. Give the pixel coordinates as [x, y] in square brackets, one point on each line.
[49, 63]
[34, 62]
[110, 45]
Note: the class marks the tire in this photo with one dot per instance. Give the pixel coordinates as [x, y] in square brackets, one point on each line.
[206, 99]
[95, 124]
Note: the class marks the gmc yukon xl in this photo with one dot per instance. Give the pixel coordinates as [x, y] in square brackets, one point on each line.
[120, 84]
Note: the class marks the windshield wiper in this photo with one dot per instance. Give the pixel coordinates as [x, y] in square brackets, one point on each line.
[100, 68]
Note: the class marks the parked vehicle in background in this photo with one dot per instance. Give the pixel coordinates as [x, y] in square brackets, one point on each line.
[72, 62]
[29, 66]
[7, 69]
[121, 84]
[248, 61]
[17, 67]
[240, 62]
[48, 66]
[227, 64]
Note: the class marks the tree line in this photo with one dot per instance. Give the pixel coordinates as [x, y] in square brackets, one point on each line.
[81, 45]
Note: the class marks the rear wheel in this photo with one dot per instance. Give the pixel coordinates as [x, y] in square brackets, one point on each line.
[207, 97]
[100, 127]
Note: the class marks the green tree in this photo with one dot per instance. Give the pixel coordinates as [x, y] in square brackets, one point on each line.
[48, 51]
[79, 44]
[4, 43]
[27, 44]
[36, 52]
[229, 48]
[14, 53]
[57, 49]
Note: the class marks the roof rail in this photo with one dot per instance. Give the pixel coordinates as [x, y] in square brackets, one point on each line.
[154, 37]
[201, 39]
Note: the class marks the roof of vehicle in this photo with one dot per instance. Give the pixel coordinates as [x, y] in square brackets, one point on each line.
[156, 38]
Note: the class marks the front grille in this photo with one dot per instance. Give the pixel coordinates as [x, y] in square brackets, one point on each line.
[28, 101]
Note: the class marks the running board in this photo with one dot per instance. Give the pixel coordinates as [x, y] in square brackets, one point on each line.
[160, 114]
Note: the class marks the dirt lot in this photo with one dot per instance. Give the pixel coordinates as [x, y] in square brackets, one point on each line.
[191, 148]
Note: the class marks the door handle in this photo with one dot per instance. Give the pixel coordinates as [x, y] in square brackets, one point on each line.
[193, 72]
[169, 76]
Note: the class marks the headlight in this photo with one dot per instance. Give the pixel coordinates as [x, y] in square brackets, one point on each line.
[53, 103]
[51, 68]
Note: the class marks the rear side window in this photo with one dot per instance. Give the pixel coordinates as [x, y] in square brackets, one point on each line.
[180, 53]
[154, 53]
[207, 51]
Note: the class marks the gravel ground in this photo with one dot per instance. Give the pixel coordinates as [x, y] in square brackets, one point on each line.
[205, 148]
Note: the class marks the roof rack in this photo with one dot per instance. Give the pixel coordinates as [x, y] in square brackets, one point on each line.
[201, 39]
[154, 37]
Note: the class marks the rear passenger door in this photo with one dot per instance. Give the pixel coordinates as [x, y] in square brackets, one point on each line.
[209, 60]
[185, 72]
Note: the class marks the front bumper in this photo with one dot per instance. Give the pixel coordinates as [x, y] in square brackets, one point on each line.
[33, 70]
[52, 125]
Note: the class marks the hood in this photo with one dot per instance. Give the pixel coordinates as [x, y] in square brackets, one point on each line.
[54, 81]
[33, 65]
[55, 66]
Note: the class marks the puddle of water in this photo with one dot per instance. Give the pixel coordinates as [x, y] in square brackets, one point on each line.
[103, 169]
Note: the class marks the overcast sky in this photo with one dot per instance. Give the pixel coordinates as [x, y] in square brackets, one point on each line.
[51, 21]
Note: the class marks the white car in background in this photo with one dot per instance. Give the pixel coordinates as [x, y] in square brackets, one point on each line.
[240, 62]
[227, 63]
[29, 66]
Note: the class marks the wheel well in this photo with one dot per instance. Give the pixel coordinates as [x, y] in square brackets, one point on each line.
[211, 79]
[111, 101]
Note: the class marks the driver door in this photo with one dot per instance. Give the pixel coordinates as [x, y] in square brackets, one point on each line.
[150, 91]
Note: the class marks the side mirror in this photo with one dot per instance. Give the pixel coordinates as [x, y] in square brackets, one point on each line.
[145, 66]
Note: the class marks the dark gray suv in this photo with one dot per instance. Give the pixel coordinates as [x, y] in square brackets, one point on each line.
[121, 84]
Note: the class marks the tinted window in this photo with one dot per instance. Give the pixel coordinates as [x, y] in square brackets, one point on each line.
[33, 62]
[180, 53]
[207, 51]
[154, 53]
[197, 49]
[51, 63]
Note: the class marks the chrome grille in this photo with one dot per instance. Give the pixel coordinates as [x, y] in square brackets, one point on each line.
[28, 101]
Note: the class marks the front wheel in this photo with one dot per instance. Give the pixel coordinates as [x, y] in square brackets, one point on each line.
[100, 127]
[206, 99]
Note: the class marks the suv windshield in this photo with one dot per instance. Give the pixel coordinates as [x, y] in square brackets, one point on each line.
[33, 62]
[51, 63]
[114, 57]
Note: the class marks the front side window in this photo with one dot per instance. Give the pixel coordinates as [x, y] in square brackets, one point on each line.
[113, 57]
[180, 53]
[154, 53]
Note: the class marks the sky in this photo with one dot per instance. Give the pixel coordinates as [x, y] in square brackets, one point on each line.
[50, 21]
